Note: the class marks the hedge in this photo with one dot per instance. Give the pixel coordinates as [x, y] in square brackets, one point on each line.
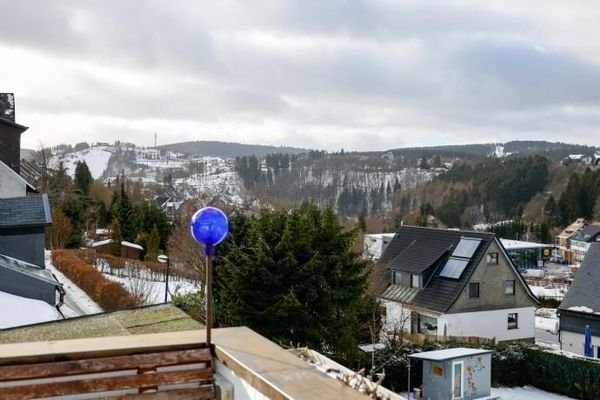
[109, 295]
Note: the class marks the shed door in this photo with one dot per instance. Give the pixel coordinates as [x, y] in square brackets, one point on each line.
[457, 379]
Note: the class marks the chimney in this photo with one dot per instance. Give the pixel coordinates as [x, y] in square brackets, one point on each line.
[7, 106]
[10, 133]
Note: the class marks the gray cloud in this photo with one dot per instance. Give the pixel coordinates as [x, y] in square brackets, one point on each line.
[354, 74]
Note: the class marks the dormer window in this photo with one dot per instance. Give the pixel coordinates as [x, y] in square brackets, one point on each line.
[396, 277]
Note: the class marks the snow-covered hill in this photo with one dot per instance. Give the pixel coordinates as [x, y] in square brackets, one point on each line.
[95, 158]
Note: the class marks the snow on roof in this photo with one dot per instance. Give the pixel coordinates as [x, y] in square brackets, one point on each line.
[447, 354]
[18, 311]
[581, 309]
[133, 245]
[102, 231]
[380, 235]
[123, 243]
[519, 244]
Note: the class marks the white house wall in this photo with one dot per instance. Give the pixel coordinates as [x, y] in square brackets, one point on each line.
[11, 185]
[573, 342]
[396, 318]
[489, 324]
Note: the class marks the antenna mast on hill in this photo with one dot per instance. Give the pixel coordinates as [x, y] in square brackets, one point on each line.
[154, 139]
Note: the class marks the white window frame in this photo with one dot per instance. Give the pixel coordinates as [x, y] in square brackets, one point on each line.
[412, 280]
[462, 378]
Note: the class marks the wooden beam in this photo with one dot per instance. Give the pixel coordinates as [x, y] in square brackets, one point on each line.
[104, 384]
[104, 364]
[203, 393]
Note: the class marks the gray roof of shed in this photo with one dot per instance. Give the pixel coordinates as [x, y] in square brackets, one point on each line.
[25, 211]
[417, 249]
[584, 290]
[28, 269]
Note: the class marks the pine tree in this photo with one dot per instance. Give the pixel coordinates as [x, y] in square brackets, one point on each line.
[153, 244]
[123, 212]
[294, 278]
[83, 177]
[117, 238]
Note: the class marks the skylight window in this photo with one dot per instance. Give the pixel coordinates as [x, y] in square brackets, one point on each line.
[460, 258]
[454, 268]
[466, 248]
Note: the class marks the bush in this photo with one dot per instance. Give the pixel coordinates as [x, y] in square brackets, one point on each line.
[109, 295]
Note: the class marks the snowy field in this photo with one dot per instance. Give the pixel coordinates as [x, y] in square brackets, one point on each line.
[153, 292]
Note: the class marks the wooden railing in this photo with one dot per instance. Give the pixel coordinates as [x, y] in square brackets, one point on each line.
[185, 373]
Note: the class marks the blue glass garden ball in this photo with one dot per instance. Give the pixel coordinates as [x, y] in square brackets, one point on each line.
[209, 226]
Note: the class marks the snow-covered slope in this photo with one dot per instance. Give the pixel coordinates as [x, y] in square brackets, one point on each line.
[95, 158]
[18, 311]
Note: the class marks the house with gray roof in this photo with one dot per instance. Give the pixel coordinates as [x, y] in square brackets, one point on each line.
[581, 306]
[22, 227]
[454, 283]
[582, 239]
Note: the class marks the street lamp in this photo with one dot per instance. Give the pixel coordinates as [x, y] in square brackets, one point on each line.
[209, 226]
[165, 259]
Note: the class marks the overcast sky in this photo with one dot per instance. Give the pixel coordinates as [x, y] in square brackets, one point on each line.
[358, 75]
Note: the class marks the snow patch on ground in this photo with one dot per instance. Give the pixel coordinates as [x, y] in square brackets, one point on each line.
[18, 311]
[77, 302]
[153, 291]
[526, 392]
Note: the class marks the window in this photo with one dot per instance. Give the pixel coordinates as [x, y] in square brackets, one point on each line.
[513, 321]
[474, 289]
[492, 258]
[509, 287]
[396, 277]
[454, 268]
[466, 247]
[415, 281]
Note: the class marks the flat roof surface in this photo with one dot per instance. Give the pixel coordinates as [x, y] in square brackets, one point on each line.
[448, 354]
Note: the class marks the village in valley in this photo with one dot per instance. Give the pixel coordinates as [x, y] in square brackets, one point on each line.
[299, 200]
[96, 243]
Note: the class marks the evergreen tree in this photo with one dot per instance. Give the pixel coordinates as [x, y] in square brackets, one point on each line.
[117, 238]
[83, 177]
[294, 278]
[153, 244]
[124, 213]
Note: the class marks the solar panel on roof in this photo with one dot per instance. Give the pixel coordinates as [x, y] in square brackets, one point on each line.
[466, 247]
[454, 268]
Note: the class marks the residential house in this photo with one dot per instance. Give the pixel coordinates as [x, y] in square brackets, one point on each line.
[375, 244]
[563, 240]
[581, 306]
[581, 240]
[454, 283]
